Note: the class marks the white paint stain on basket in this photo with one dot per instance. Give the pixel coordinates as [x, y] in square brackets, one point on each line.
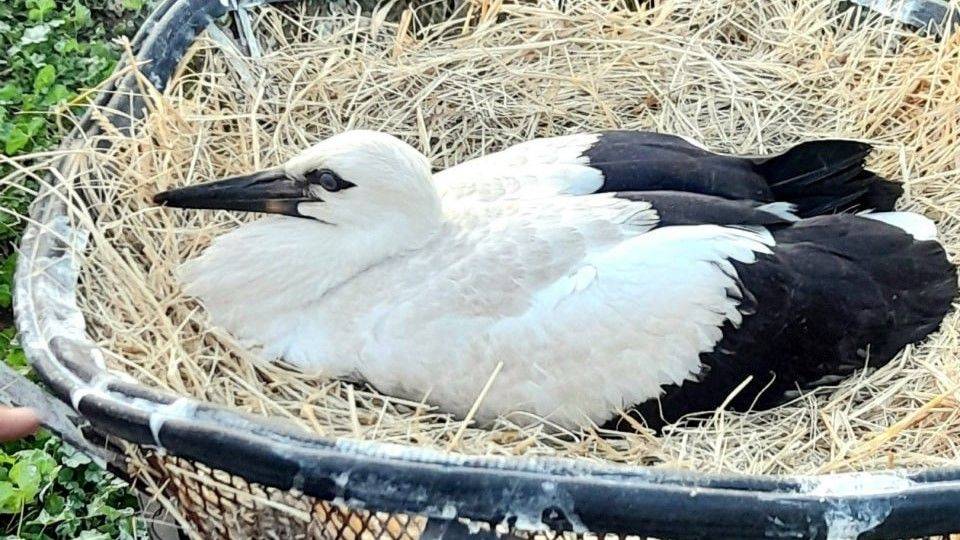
[179, 409]
[846, 519]
[97, 386]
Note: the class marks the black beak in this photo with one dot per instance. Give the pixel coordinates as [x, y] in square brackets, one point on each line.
[268, 191]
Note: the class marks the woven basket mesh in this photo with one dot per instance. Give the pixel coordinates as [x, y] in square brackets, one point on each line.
[216, 504]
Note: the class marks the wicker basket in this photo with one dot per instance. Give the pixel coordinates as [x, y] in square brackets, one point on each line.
[225, 468]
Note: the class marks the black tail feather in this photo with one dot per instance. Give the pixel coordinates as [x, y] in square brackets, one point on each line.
[882, 194]
[828, 176]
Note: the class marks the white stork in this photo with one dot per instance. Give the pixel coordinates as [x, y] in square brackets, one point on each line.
[612, 271]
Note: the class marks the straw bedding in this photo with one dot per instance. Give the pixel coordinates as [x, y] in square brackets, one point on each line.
[740, 75]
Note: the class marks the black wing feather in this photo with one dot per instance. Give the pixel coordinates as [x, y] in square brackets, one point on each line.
[681, 208]
[819, 177]
[838, 293]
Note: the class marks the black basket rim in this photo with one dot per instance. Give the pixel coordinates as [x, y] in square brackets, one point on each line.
[534, 493]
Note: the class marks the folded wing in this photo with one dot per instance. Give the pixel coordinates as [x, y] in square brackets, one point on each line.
[702, 294]
[817, 177]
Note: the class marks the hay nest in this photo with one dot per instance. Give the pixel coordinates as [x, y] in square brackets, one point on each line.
[740, 75]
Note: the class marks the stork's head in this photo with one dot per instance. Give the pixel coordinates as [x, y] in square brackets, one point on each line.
[357, 178]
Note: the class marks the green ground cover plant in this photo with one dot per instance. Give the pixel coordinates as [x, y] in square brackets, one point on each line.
[51, 53]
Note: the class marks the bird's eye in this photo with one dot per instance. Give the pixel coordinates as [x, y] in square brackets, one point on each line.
[328, 180]
[325, 179]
